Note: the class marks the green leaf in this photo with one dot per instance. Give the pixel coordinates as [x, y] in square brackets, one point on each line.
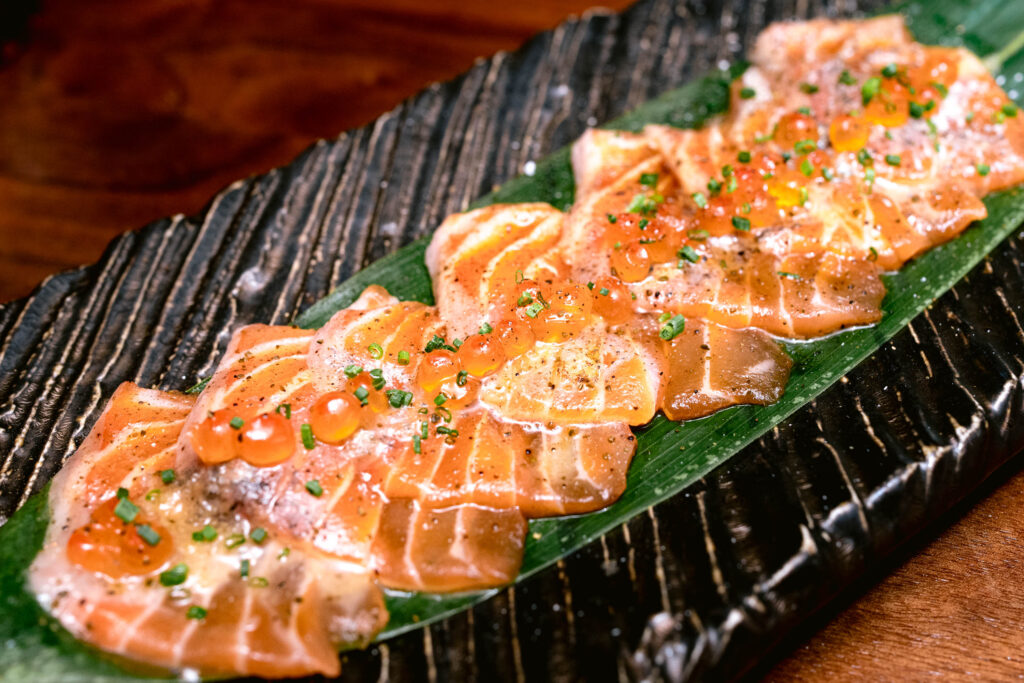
[669, 456]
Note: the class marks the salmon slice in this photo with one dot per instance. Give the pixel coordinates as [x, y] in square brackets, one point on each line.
[542, 470]
[712, 366]
[473, 259]
[316, 603]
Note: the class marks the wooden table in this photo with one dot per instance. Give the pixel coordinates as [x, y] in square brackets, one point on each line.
[96, 103]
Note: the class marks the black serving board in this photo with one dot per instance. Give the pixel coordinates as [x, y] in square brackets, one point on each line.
[704, 584]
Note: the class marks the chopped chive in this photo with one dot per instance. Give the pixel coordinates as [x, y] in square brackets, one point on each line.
[846, 78]
[519, 278]
[361, 393]
[285, 409]
[378, 383]
[827, 174]
[403, 357]
[643, 223]
[524, 299]
[806, 111]
[664, 317]
[642, 204]
[1010, 109]
[416, 443]
[152, 494]
[803, 196]
[805, 147]
[313, 486]
[916, 110]
[147, 534]
[731, 187]
[714, 186]
[376, 373]
[673, 328]
[893, 159]
[943, 90]
[890, 70]
[258, 535]
[306, 431]
[440, 399]
[727, 170]
[444, 413]
[648, 179]
[243, 569]
[456, 343]
[590, 286]
[689, 253]
[701, 200]
[375, 351]
[745, 207]
[604, 291]
[486, 328]
[175, 576]
[234, 540]
[869, 176]
[285, 552]
[791, 276]
[699, 235]
[807, 168]
[741, 223]
[808, 88]
[870, 89]
[864, 157]
[424, 429]
[612, 218]
[353, 370]
[195, 612]
[747, 93]
[743, 157]
[396, 397]
[983, 169]
[447, 431]
[236, 422]
[534, 309]
[462, 378]
[198, 386]
[122, 493]
[126, 510]
[204, 535]
[874, 254]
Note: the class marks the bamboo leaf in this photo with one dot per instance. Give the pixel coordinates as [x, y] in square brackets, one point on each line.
[670, 456]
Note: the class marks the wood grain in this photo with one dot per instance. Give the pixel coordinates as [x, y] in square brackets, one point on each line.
[114, 118]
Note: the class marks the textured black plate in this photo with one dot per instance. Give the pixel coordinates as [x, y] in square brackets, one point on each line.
[703, 584]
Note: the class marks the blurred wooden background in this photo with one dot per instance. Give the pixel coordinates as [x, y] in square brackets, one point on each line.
[113, 114]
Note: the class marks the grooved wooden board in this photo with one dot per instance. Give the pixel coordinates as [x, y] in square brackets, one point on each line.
[701, 585]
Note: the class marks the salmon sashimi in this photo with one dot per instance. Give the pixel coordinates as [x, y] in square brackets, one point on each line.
[253, 529]
[120, 567]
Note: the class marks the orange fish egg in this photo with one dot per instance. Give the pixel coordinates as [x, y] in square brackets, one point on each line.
[848, 133]
[459, 392]
[335, 416]
[375, 398]
[111, 546]
[567, 313]
[481, 354]
[612, 301]
[516, 337]
[631, 262]
[436, 368]
[795, 127]
[218, 438]
[267, 440]
[890, 107]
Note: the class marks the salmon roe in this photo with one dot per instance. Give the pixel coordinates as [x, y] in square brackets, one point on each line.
[612, 301]
[375, 399]
[566, 314]
[632, 262]
[216, 439]
[267, 440]
[795, 127]
[848, 133]
[335, 417]
[515, 337]
[437, 367]
[111, 546]
[481, 354]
